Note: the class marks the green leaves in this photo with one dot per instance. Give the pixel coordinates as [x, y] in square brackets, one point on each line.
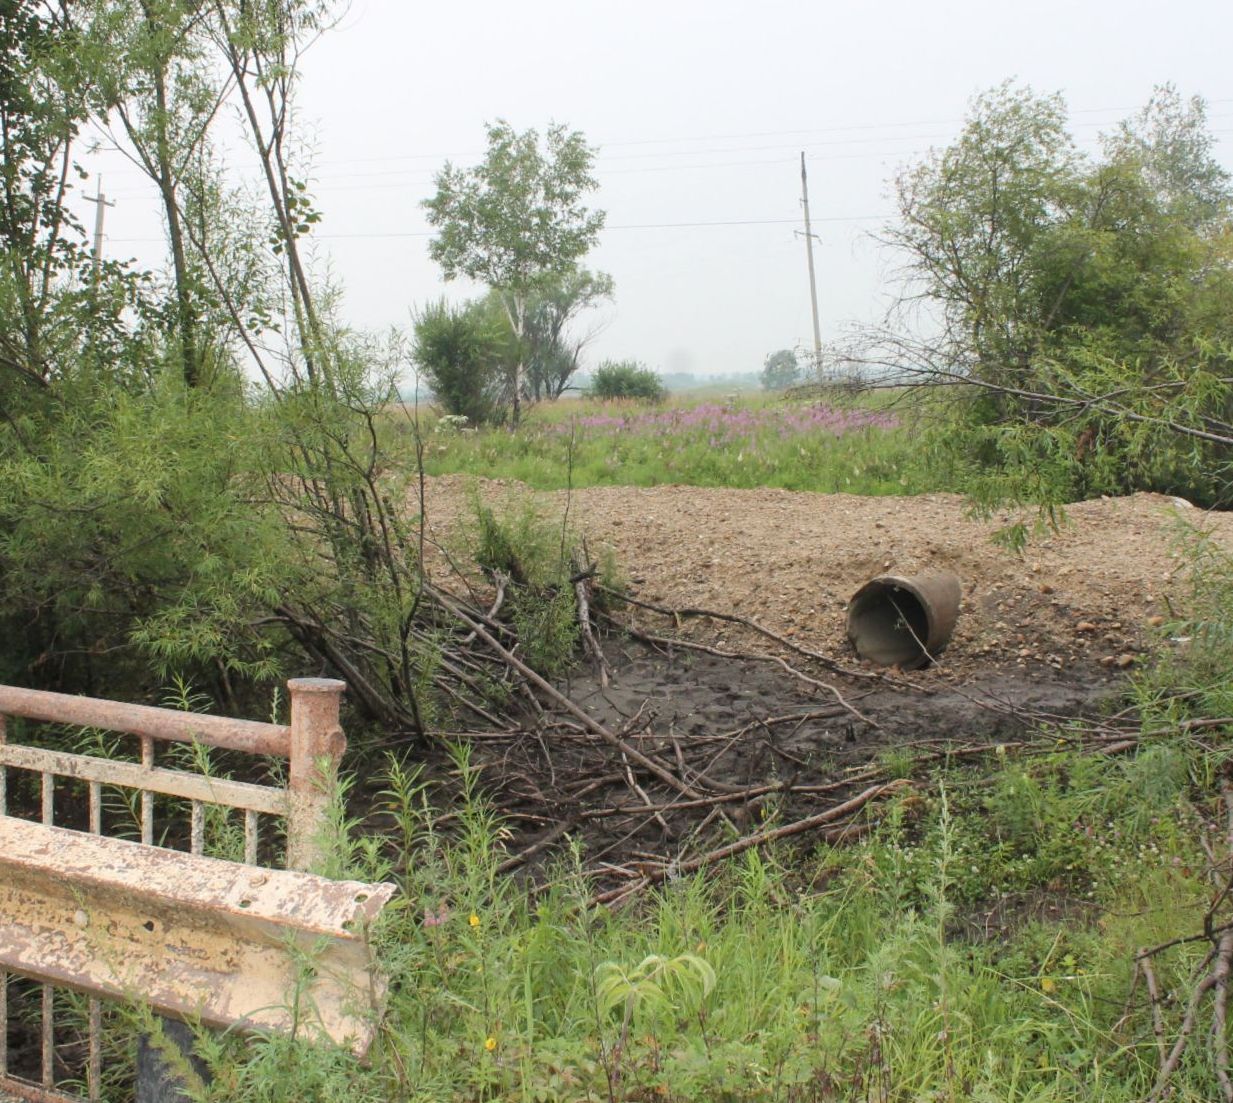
[302, 216]
[516, 221]
[1088, 300]
[656, 981]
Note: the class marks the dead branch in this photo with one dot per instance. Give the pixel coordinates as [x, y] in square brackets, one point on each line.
[665, 775]
[1213, 976]
[582, 582]
[759, 839]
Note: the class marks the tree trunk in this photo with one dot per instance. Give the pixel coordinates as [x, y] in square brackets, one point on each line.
[185, 310]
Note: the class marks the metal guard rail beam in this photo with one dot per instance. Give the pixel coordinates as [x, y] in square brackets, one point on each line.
[197, 938]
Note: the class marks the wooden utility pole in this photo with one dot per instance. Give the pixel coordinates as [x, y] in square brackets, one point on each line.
[813, 284]
[103, 203]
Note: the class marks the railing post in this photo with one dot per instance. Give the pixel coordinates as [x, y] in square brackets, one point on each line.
[317, 746]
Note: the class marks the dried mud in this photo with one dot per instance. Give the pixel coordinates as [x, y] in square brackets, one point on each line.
[1084, 594]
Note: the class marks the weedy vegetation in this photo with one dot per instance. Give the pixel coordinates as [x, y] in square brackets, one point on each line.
[207, 481]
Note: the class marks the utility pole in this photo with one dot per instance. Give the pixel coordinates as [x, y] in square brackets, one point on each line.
[813, 285]
[103, 203]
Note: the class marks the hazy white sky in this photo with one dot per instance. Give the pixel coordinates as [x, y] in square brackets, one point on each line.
[700, 109]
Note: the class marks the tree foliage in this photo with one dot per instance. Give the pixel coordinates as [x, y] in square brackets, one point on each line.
[780, 371]
[553, 353]
[1088, 299]
[517, 222]
[49, 301]
[469, 356]
[627, 379]
[459, 351]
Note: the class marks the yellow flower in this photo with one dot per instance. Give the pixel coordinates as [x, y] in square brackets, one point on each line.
[1047, 984]
[489, 1043]
[474, 920]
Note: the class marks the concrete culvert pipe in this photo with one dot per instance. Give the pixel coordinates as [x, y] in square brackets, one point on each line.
[904, 621]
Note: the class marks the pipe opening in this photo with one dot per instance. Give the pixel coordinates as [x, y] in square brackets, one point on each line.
[903, 622]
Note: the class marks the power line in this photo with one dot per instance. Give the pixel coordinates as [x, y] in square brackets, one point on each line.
[621, 226]
[733, 136]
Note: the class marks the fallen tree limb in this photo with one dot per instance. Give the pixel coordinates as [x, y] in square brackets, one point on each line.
[581, 581]
[762, 838]
[1214, 975]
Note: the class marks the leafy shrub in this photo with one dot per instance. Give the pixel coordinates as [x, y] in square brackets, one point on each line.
[627, 379]
[459, 350]
[534, 555]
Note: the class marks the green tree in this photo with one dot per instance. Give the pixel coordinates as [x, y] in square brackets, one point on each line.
[460, 352]
[516, 222]
[780, 371]
[44, 94]
[552, 354]
[1088, 301]
[154, 81]
[971, 217]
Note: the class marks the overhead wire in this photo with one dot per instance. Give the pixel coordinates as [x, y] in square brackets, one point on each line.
[604, 145]
[701, 223]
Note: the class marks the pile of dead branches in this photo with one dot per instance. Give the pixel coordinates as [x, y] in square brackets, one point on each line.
[655, 802]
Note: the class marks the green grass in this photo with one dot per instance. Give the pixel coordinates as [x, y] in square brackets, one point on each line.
[750, 442]
[852, 975]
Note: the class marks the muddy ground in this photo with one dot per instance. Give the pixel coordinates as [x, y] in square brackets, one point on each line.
[733, 726]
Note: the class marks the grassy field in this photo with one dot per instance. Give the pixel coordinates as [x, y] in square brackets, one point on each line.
[866, 447]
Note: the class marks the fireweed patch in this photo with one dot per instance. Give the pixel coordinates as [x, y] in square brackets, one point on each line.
[817, 447]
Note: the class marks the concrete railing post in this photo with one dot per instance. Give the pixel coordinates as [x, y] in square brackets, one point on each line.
[317, 746]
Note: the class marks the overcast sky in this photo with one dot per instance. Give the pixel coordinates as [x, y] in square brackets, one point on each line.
[700, 110]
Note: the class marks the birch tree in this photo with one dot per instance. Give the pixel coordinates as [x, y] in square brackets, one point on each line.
[517, 221]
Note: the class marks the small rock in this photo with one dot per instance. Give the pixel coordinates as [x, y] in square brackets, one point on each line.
[1024, 652]
[1046, 588]
[1107, 660]
[1155, 621]
[1085, 626]
[1124, 660]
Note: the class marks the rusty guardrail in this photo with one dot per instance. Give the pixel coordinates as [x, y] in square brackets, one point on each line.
[194, 936]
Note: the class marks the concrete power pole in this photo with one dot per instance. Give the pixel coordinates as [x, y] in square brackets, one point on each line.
[813, 284]
[103, 203]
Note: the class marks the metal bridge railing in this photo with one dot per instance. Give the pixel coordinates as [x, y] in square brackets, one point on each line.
[195, 937]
